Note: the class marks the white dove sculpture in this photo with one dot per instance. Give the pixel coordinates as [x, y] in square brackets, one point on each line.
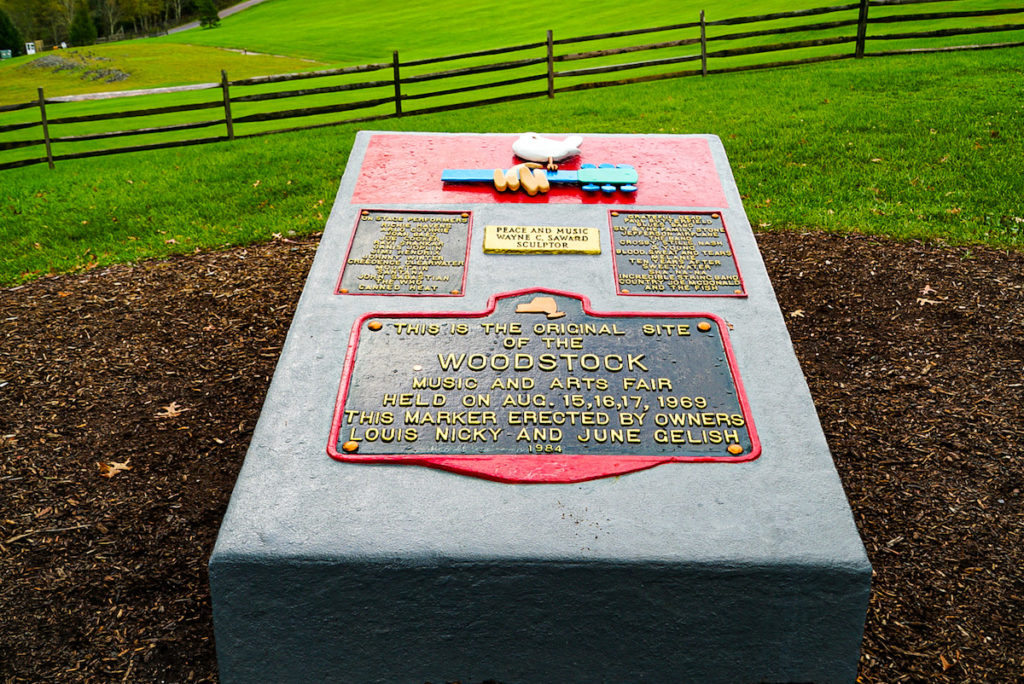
[536, 148]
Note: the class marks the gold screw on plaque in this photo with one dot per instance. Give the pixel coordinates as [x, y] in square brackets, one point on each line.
[714, 216]
[366, 213]
[735, 449]
[350, 446]
[374, 325]
[343, 290]
[455, 292]
[703, 326]
[615, 213]
[465, 214]
[625, 291]
[737, 291]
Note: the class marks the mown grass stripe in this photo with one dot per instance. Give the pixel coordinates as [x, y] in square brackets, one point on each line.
[138, 131]
[785, 15]
[136, 112]
[948, 32]
[950, 48]
[469, 55]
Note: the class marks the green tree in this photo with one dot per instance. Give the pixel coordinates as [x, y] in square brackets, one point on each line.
[83, 29]
[208, 17]
[10, 37]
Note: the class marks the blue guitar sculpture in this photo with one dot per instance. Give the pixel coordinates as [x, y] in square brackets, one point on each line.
[607, 178]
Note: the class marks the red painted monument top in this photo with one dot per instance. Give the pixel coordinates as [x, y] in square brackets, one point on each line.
[406, 169]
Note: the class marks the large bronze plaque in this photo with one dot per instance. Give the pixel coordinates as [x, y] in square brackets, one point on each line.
[407, 253]
[673, 253]
[539, 388]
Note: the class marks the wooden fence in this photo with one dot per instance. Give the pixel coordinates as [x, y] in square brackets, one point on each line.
[247, 107]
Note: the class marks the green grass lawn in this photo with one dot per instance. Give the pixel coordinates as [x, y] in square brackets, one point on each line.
[335, 33]
[923, 146]
[352, 33]
[288, 22]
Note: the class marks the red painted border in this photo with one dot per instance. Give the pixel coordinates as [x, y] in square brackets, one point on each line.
[536, 468]
[615, 268]
[465, 261]
[404, 169]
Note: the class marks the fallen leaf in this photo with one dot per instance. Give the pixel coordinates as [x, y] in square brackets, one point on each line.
[922, 301]
[256, 184]
[876, 160]
[172, 410]
[945, 663]
[927, 290]
[797, 313]
[113, 468]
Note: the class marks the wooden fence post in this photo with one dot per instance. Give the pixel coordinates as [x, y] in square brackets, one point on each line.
[398, 84]
[227, 105]
[862, 28]
[703, 46]
[551, 64]
[46, 128]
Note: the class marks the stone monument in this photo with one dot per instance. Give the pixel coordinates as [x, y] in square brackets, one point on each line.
[551, 433]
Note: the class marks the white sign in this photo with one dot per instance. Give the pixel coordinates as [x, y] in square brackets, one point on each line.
[30, 48]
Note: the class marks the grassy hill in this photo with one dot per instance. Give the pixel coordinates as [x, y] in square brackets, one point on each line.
[923, 147]
[330, 31]
[285, 32]
[134, 65]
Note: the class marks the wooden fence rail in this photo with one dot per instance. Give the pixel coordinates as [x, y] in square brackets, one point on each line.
[407, 82]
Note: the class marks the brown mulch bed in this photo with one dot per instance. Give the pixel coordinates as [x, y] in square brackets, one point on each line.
[128, 397]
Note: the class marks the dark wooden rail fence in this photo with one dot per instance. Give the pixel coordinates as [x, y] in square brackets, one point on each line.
[411, 82]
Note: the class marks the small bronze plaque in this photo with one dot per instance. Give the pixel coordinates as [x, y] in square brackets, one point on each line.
[539, 388]
[407, 253]
[674, 253]
[541, 240]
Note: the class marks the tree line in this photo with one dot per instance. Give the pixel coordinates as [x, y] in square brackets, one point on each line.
[72, 21]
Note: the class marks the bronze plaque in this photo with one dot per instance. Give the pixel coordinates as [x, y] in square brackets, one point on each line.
[541, 388]
[407, 253]
[674, 253]
[541, 240]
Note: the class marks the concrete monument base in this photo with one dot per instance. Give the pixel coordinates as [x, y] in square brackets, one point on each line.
[705, 568]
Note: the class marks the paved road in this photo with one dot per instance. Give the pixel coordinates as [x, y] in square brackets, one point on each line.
[223, 13]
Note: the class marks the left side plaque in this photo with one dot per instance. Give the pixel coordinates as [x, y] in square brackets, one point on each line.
[407, 253]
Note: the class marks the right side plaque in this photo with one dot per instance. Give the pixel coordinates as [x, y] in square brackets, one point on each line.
[674, 254]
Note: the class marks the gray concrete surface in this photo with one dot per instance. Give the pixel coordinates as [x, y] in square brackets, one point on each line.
[693, 572]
